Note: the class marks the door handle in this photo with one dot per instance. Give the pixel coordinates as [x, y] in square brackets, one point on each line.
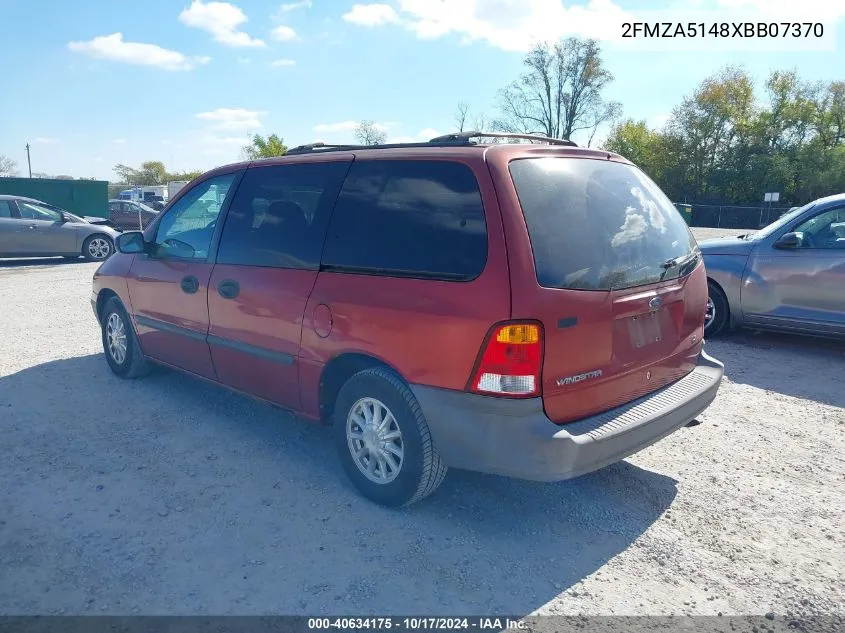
[229, 289]
[190, 284]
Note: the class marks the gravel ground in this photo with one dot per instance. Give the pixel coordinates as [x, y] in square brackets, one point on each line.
[169, 496]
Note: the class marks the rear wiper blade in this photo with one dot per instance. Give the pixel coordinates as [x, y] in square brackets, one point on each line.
[675, 262]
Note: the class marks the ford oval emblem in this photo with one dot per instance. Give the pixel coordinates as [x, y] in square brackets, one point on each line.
[655, 303]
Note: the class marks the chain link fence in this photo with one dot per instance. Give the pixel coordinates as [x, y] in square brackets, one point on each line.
[734, 217]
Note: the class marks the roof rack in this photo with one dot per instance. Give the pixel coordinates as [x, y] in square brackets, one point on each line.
[447, 140]
[466, 137]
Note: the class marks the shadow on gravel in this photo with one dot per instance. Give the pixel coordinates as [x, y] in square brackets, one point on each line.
[39, 261]
[166, 495]
[798, 366]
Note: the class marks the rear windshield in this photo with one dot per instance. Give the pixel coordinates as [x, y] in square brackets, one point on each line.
[600, 225]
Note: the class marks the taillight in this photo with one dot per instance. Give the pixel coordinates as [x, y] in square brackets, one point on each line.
[510, 363]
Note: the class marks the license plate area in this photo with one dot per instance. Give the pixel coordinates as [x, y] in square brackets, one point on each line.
[647, 329]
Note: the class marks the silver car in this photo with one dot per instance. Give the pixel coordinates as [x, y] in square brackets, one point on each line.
[31, 228]
[789, 275]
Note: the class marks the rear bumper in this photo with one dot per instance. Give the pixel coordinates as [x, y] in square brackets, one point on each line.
[515, 438]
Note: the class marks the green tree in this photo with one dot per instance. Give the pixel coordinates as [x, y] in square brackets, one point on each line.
[260, 147]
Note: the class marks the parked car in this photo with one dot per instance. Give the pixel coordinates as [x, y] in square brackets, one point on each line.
[90, 219]
[530, 310]
[788, 276]
[31, 228]
[128, 215]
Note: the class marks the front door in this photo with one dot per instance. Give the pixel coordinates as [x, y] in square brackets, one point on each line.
[9, 227]
[44, 232]
[267, 264]
[168, 286]
[802, 286]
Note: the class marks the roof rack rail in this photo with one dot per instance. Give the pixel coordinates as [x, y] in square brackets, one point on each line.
[310, 147]
[447, 140]
[465, 138]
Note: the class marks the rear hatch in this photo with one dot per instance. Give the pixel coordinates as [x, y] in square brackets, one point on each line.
[618, 282]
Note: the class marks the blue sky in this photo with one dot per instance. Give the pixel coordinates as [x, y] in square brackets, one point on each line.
[185, 81]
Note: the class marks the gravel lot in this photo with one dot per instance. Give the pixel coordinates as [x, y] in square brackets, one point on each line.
[169, 496]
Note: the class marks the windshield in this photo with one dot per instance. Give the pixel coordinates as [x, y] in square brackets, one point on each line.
[782, 221]
[600, 225]
[146, 208]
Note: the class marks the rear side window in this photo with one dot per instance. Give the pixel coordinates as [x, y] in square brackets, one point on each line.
[422, 219]
[5, 209]
[600, 225]
[279, 215]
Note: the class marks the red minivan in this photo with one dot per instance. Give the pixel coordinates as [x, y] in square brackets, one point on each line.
[534, 310]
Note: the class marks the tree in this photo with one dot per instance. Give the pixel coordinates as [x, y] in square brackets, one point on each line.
[260, 147]
[152, 172]
[560, 92]
[368, 133]
[461, 115]
[8, 167]
[184, 175]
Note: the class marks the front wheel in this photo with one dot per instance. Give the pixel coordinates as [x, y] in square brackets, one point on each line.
[120, 344]
[97, 248]
[717, 312]
[383, 439]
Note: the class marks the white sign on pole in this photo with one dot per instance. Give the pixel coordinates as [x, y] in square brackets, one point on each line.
[771, 197]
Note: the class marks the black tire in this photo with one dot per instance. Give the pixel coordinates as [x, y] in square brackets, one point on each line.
[104, 250]
[133, 364]
[721, 312]
[421, 470]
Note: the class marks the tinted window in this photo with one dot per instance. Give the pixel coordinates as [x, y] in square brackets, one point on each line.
[186, 230]
[5, 209]
[599, 225]
[279, 215]
[409, 218]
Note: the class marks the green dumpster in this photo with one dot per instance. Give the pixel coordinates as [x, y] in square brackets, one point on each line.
[686, 212]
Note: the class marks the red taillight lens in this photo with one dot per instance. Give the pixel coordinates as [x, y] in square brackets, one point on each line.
[510, 362]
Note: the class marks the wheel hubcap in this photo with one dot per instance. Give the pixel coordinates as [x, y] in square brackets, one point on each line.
[99, 248]
[116, 338]
[709, 313]
[375, 441]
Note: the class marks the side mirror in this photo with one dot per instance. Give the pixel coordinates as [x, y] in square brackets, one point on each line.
[65, 218]
[790, 240]
[131, 242]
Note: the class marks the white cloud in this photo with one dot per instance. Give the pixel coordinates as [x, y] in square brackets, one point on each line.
[112, 47]
[371, 14]
[119, 141]
[345, 126]
[514, 25]
[423, 135]
[47, 141]
[244, 60]
[283, 63]
[233, 118]
[284, 33]
[222, 20]
[658, 121]
[517, 25]
[213, 152]
[293, 6]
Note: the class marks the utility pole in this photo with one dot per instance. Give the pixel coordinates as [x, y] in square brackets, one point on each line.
[28, 161]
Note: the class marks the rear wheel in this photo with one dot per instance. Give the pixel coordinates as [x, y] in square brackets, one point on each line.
[383, 439]
[717, 312]
[120, 344]
[97, 248]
